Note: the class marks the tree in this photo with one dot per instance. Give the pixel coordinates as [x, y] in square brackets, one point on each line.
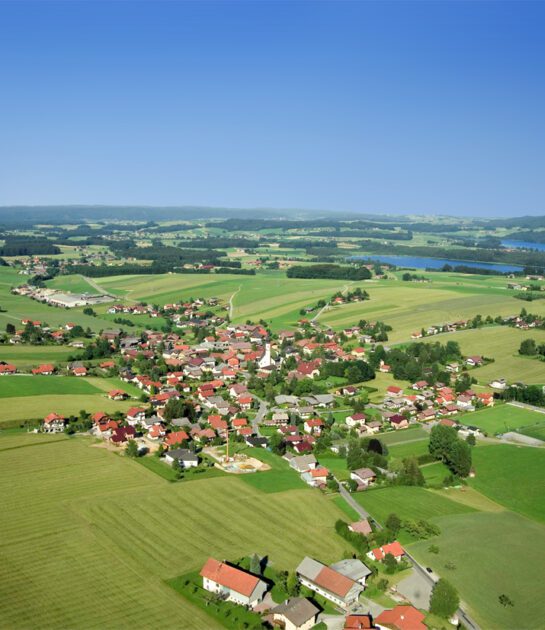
[444, 599]
[393, 523]
[10, 329]
[131, 450]
[292, 585]
[441, 440]
[390, 563]
[528, 347]
[332, 483]
[470, 439]
[505, 600]
[460, 458]
[410, 474]
[255, 565]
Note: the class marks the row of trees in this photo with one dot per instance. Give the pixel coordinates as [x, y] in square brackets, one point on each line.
[446, 446]
[329, 271]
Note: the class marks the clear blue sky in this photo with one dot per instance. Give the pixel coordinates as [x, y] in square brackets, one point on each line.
[395, 107]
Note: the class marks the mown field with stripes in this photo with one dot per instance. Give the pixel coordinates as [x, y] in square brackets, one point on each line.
[88, 536]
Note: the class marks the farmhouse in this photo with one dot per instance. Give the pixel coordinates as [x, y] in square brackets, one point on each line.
[363, 477]
[295, 614]
[7, 368]
[232, 583]
[325, 581]
[53, 423]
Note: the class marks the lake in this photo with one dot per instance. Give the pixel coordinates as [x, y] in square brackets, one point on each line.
[523, 245]
[420, 262]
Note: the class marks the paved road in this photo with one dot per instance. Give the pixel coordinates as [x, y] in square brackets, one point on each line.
[260, 415]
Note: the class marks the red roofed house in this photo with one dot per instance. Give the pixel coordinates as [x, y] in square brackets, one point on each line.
[234, 584]
[80, 371]
[394, 548]
[401, 618]
[135, 415]
[45, 369]
[394, 390]
[117, 394]
[53, 423]
[176, 437]
[358, 622]
[314, 425]
[8, 368]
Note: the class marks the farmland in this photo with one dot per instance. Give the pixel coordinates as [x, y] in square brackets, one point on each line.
[96, 518]
[408, 308]
[30, 356]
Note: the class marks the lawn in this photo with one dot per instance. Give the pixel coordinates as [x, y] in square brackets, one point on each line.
[112, 532]
[435, 473]
[504, 418]
[280, 478]
[73, 283]
[336, 465]
[412, 434]
[493, 554]
[412, 448]
[513, 476]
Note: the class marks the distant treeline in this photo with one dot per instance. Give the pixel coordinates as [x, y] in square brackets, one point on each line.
[394, 236]
[103, 271]
[166, 253]
[528, 235]
[215, 242]
[330, 272]
[471, 270]
[28, 246]
[479, 255]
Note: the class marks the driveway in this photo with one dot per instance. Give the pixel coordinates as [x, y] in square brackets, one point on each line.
[417, 589]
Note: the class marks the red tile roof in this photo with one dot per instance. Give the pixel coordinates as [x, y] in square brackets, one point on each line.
[402, 618]
[230, 577]
[333, 582]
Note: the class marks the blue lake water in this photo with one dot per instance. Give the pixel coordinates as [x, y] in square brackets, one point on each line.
[523, 245]
[420, 262]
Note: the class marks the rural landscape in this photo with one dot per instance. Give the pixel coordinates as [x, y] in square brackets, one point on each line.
[272, 315]
[191, 405]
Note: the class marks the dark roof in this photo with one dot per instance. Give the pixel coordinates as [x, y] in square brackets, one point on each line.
[296, 610]
[183, 454]
[257, 441]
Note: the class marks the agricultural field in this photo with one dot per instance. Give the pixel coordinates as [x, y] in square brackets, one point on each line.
[26, 356]
[75, 284]
[33, 397]
[96, 518]
[504, 418]
[514, 476]
[408, 307]
[485, 555]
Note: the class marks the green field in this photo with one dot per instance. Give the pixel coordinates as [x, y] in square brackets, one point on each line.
[26, 385]
[493, 554]
[412, 434]
[502, 344]
[278, 479]
[504, 418]
[408, 502]
[75, 284]
[110, 532]
[25, 357]
[409, 449]
[513, 476]
[435, 473]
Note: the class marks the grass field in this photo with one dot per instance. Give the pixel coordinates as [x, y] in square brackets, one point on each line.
[409, 449]
[409, 306]
[73, 283]
[26, 385]
[110, 532]
[504, 418]
[513, 476]
[278, 479]
[408, 502]
[25, 357]
[412, 434]
[502, 344]
[435, 473]
[493, 554]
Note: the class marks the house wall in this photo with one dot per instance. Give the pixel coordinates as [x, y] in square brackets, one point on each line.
[288, 625]
[314, 587]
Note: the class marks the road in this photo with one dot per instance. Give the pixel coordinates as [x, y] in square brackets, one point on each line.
[231, 305]
[96, 286]
[260, 415]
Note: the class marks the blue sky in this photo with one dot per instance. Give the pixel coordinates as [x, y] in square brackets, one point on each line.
[390, 107]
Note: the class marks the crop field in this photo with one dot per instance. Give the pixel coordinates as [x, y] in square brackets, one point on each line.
[113, 531]
[23, 385]
[24, 356]
[504, 418]
[487, 554]
[502, 344]
[513, 476]
[408, 307]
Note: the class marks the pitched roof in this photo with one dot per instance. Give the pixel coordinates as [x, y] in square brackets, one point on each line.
[230, 577]
[358, 622]
[402, 618]
[334, 582]
[297, 610]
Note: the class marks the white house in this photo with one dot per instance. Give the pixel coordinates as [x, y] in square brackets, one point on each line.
[234, 584]
[183, 456]
[326, 581]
